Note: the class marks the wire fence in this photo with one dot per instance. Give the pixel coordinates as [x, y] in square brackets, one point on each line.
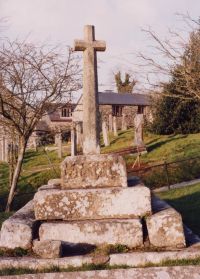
[169, 173]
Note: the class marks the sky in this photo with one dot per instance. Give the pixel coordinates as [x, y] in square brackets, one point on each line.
[118, 22]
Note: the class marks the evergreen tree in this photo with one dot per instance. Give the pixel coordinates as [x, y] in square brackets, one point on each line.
[176, 111]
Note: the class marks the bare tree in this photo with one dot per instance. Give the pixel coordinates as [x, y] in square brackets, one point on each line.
[177, 56]
[31, 79]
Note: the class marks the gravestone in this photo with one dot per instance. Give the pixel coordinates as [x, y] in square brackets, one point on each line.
[58, 142]
[124, 123]
[79, 140]
[105, 134]
[110, 122]
[73, 140]
[138, 124]
[115, 126]
[90, 46]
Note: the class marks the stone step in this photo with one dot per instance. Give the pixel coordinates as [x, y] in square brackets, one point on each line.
[93, 171]
[82, 204]
[165, 226]
[125, 232]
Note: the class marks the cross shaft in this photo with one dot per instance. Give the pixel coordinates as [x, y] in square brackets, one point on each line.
[91, 131]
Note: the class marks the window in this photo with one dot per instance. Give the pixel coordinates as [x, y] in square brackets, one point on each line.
[66, 112]
[117, 110]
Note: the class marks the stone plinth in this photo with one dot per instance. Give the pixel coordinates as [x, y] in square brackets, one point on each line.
[125, 232]
[82, 204]
[93, 171]
[165, 229]
[17, 231]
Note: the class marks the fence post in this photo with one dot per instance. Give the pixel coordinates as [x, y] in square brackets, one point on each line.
[167, 174]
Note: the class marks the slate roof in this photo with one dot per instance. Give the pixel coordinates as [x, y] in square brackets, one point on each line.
[125, 99]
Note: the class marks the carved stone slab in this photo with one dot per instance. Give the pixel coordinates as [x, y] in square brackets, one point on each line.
[93, 171]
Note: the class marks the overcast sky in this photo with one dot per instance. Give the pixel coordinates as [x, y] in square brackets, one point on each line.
[118, 22]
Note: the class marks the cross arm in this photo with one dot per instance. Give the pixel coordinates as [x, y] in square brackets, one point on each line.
[99, 45]
[81, 45]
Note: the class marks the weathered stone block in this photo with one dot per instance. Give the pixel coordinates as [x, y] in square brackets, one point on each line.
[48, 249]
[126, 232]
[17, 231]
[165, 229]
[93, 171]
[82, 204]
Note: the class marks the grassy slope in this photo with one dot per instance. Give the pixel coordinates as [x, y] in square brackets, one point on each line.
[187, 201]
[37, 171]
[160, 148]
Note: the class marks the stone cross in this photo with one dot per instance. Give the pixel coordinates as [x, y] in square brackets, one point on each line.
[91, 131]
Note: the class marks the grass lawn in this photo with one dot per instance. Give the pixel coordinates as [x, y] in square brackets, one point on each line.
[160, 148]
[37, 170]
[187, 201]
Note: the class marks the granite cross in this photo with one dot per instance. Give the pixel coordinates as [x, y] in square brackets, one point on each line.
[90, 46]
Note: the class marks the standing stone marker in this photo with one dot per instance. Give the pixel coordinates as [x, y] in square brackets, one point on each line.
[105, 134]
[58, 142]
[73, 141]
[115, 126]
[124, 124]
[110, 122]
[90, 46]
[138, 123]
[79, 133]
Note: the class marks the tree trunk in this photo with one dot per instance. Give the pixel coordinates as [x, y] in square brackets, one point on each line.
[16, 175]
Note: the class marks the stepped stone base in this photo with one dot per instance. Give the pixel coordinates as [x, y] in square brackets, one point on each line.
[93, 171]
[85, 204]
[125, 232]
[165, 229]
[18, 230]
